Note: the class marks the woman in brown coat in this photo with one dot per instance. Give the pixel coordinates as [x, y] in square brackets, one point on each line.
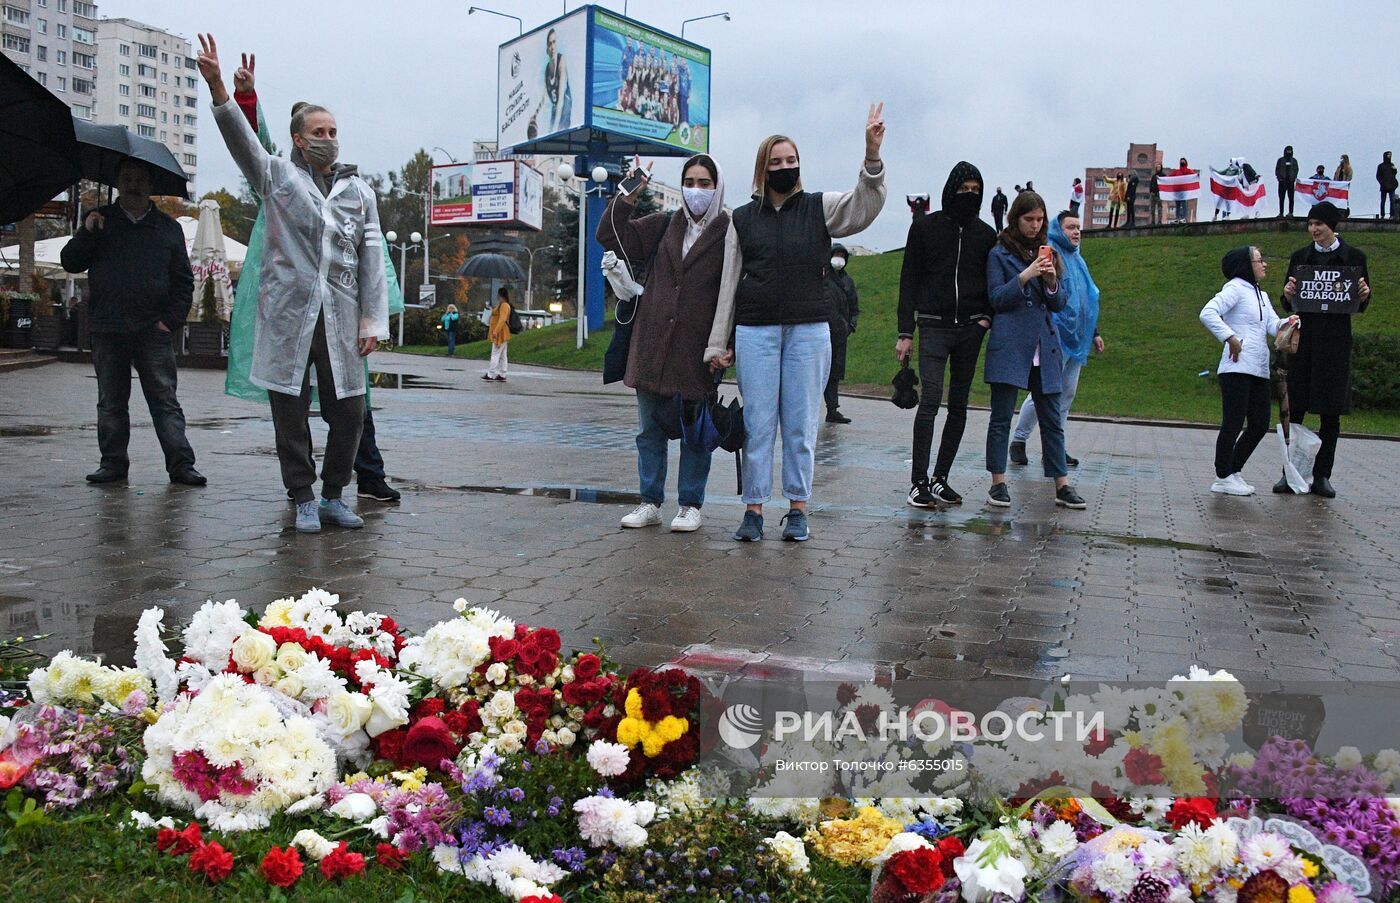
[673, 319]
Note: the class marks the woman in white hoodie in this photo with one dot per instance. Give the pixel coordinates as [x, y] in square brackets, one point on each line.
[1242, 318]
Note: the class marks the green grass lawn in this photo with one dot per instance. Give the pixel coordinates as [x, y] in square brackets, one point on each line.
[1153, 290]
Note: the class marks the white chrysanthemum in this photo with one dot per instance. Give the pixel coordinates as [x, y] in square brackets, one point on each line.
[212, 631]
[1115, 874]
[1224, 843]
[277, 614]
[318, 680]
[1059, 840]
[1347, 758]
[150, 655]
[1264, 850]
[608, 759]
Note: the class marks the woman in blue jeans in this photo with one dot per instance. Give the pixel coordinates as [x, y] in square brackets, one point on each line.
[449, 328]
[774, 310]
[1023, 348]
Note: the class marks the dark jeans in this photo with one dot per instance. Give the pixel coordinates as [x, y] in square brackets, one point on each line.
[1047, 413]
[451, 341]
[1285, 190]
[1132, 211]
[1156, 210]
[344, 416]
[955, 349]
[1074, 207]
[832, 395]
[1244, 405]
[1388, 196]
[152, 353]
[1329, 431]
[999, 220]
[369, 463]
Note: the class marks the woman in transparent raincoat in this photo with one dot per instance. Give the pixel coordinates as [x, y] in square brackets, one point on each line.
[322, 296]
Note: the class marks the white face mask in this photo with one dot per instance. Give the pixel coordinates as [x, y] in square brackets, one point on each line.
[838, 263]
[697, 200]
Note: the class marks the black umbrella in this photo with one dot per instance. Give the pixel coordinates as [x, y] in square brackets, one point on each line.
[40, 158]
[491, 266]
[102, 148]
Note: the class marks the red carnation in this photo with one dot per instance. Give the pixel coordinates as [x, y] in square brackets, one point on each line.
[390, 856]
[341, 863]
[655, 704]
[950, 848]
[187, 840]
[429, 707]
[593, 718]
[1191, 810]
[389, 745]
[587, 666]
[428, 743]
[1100, 742]
[1143, 767]
[552, 898]
[282, 868]
[213, 860]
[918, 871]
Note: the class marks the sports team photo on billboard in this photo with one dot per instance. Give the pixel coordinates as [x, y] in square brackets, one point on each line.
[649, 85]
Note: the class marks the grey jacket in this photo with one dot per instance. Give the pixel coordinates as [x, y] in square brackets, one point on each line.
[323, 255]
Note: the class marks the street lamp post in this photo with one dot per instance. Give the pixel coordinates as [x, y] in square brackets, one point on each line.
[701, 19]
[530, 275]
[482, 9]
[600, 175]
[391, 237]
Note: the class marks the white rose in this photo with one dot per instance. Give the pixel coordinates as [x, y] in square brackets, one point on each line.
[791, 851]
[383, 718]
[516, 727]
[459, 606]
[268, 675]
[497, 673]
[356, 807]
[379, 827]
[525, 680]
[501, 706]
[1348, 757]
[289, 685]
[349, 711]
[253, 650]
[566, 736]
[567, 675]
[316, 846]
[509, 743]
[291, 657]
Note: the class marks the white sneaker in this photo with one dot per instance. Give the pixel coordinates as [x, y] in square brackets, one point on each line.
[687, 520]
[644, 515]
[1234, 484]
[1240, 477]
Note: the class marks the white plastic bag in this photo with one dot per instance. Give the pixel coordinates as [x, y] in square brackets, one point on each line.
[619, 276]
[1299, 452]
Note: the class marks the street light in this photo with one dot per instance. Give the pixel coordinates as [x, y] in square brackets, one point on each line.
[701, 19]
[567, 174]
[391, 236]
[482, 9]
[444, 150]
[530, 275]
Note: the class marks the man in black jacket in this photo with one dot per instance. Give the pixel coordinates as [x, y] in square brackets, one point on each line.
[1133, 182]
[141, 289]
[999, 205]
[1386, 180]
[943, 293]
[845, 310]
[1286, 171]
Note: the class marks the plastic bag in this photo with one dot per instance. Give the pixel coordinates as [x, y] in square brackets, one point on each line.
[1299, 451]
[619, 276]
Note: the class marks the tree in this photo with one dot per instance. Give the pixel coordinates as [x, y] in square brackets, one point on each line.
[647, 204]
[400, 196]
[565, 236]
[236, 214]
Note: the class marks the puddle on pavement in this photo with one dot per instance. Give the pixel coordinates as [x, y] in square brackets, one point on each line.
[992, 526]
[563, 493]
[379, 379]
[24, 432]
[220, 423]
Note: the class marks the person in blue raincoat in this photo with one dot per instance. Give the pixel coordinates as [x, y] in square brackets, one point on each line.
[1077, 324]
[371, 481]
[322, 298]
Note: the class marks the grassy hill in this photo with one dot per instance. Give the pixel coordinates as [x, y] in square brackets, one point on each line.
[1153, 289]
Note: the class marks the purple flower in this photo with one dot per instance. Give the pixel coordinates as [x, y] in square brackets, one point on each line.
[516, 794]
[500, 817]
[571, 858]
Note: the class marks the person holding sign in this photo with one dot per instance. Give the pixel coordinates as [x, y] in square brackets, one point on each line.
[1319, 373]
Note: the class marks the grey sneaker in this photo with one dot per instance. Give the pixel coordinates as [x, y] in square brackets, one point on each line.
[308, 517]
[999, 496]
[796, 529]
[751, 530]
[337, 513]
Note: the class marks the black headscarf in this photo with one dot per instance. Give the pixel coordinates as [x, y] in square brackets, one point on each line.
[1239, 264]
[961, 173]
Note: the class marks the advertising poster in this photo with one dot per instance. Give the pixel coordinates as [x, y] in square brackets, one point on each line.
[542, 82]
[649, 85]
[493, 191]
[530, 197]
[452, 194]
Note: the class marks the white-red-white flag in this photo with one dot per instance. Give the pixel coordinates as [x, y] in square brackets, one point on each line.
[1315, 191]
[1236, 188]
[1179, 188]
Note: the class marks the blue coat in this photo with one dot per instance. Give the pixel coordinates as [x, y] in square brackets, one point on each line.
[1021, 318]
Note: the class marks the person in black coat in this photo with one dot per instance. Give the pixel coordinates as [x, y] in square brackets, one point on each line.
[142, 287]
[1386, 179]
[999, 205]
[1133, 182]
[1286, 171]
[1319, 373]
[845, 310]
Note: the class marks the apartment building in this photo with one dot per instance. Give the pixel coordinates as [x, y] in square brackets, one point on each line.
[55, 41]
[148, 81]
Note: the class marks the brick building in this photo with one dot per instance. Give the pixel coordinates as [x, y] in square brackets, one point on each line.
[1142, 159]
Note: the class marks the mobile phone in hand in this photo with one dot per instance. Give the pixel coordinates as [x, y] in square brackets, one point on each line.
[1046, 254]
[631, 184]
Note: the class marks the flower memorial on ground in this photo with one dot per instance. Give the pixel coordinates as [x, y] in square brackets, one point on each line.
[303, 753]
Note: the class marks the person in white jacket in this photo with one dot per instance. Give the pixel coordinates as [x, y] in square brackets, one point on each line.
[1242, 318]
[323, 296]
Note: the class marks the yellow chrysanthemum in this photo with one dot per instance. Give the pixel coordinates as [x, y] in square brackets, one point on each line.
[852, 841]
[633, 706]
[1299, 893]
[635, 730]
[629, 731]
[672, 728]
[1310, 868]
[1179, 765]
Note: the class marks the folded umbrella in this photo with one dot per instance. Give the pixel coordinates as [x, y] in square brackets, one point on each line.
[36, 130]
[102, 148]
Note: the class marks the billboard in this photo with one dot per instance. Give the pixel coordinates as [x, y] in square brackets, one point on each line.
[489, 192]
[452, 194]
[648, 85]
[542, 81]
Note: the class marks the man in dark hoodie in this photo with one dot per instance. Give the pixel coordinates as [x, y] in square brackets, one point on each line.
[999, 206]
[943, 295]
[1286, 171]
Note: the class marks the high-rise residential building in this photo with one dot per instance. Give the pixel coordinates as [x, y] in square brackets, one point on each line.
[1142, 159]
[55, 41]
[148, 81]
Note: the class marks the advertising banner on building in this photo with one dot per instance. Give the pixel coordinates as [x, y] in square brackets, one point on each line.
[543, 81]
[529, 197]
[649, 85]
[452, 194]
[504, 193]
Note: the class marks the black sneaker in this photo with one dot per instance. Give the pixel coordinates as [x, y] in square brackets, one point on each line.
[837, 417]
[1070, 460]
[945, 493]
[377, 489]
[796, 529]
[999, 496]
[751, 530]
[1018, 453]
[1066, 497]
[921, 495]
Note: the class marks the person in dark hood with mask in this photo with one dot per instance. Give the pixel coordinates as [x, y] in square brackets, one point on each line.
[943, 296]
[845, 310]
[999, 205]
[1286, 171]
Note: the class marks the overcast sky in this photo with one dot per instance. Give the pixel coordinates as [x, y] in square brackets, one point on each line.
[1023, 89]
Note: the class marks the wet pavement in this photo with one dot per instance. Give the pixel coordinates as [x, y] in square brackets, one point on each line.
[512, 494]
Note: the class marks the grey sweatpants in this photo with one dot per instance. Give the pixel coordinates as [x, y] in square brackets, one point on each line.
[344, 416]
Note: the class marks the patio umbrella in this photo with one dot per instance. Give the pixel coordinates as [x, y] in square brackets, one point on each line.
[102, 148]
[210, 262]
[491, 266]
[36, 130]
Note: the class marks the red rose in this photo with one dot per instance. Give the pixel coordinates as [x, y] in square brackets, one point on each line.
[585, 692]
[472, 712]
[341, 863]
[282, 868]
[587, 666]
[1143, 767]
[1191, 810]
[502, 649]
[918, 871]
[165, 838]
[213, 860]
[429, 707]
[428, 743]
[390, 856]
[547, 639]
[950, 848]
[593, 718]
[185, 841]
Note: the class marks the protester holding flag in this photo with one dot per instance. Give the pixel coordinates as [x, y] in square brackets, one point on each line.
[1386, 179]
[1186, 183]
[1154, 195]
[1320, 188]
[1117, 191]
[1319, 373]
[1076, 196]
[1241, 317]
[1286, 171]
[1239, 184]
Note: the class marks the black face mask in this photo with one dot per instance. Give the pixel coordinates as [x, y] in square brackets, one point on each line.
[783, 180]
[964, 205]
